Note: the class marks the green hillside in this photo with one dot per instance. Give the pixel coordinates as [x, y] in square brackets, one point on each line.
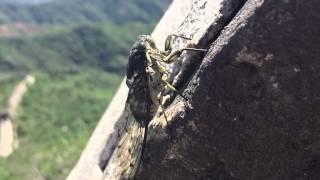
[77, 71]
[78, 60]
[55, 121]
[102, 46]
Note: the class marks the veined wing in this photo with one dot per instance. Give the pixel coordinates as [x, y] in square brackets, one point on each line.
[126, 158]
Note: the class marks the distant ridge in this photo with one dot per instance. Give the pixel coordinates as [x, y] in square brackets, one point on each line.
[80, 11]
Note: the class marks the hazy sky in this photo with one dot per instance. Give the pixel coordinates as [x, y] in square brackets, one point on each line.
[24, 1]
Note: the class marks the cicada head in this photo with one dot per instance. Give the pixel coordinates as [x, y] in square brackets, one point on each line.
[137, 61]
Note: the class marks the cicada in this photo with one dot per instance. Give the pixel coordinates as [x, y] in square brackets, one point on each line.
[148, 78]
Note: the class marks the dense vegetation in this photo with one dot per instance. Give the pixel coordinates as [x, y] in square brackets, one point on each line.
[78, 62]
[102, 47]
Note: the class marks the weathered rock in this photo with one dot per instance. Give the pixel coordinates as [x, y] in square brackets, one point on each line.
[255, 102]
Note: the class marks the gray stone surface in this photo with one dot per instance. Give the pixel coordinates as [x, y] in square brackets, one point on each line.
[255, 102]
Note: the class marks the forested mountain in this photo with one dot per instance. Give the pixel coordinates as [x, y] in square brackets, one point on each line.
[77, 50]
[99, 46]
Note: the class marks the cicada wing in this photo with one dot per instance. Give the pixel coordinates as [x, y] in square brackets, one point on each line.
[126, 156]
[131, 145]
[130, 149]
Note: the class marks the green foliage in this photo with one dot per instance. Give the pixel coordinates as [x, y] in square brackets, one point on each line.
[99, 46]
[57, 117]
[77, 71]
[7, 84]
